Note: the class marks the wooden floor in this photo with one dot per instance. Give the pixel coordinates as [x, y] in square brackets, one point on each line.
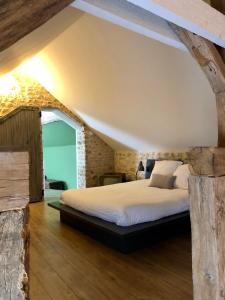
[65, 264]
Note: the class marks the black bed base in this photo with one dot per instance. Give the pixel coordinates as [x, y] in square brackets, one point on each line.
[125, 239]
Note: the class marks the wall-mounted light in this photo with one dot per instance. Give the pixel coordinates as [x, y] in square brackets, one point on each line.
[9, 86]
[140, 168]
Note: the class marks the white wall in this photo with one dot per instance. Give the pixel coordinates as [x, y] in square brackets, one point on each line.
[135, 92]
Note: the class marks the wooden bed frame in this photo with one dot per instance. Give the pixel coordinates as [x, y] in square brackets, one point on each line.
[129, 238]
[125, 239]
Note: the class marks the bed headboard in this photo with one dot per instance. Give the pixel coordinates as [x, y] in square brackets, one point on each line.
[150, 163]
[127, 161]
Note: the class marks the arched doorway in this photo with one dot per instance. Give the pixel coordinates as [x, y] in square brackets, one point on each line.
[61, 157]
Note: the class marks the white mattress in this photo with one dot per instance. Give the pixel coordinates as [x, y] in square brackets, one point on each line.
[129, 203]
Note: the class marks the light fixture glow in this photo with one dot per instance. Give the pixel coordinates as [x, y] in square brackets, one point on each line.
[9, 85]
[37, 68]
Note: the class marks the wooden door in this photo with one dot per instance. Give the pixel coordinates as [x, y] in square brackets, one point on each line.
[22, 129]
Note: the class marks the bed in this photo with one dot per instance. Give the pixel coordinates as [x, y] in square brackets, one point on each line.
[126, 216]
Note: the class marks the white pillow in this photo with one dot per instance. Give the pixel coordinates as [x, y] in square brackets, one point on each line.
[166, 167]
[182, 174]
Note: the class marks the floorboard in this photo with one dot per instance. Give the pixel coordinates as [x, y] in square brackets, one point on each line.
[66, 264]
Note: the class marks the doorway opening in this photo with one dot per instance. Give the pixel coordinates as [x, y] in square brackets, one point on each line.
[59, 145]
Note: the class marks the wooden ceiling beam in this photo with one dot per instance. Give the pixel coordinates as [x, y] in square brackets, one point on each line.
[207, 56]
[212, 64]
[134, 18]
[193, 15]
[20, 17]
[220, 6]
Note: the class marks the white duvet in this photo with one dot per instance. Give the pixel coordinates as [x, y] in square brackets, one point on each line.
[129, 203]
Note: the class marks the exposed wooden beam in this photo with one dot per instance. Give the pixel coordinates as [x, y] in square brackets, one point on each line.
[20, 17]
[211, 62]
[193, 15]
[207, 183]
[220, 6]
[32, 43]
[206, 54]
[207, 161]
[220, 102]
[14, 234]
[134, 18]
[207, 196]
[207, 202]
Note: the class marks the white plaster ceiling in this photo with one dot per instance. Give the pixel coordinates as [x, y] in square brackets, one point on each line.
[49, 117]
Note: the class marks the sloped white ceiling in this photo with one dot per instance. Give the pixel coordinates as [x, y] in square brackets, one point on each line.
[135, 92]
[49, 117]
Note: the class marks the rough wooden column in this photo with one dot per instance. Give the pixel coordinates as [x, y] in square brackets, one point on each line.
[14, 234]
[207, 183]
[207, 200]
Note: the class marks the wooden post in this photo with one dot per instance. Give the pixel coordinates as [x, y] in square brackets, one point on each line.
[220, 102]
[207, 183]
[14, 234]
[207, 203]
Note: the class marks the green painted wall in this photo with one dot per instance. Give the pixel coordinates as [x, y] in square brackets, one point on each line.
[59, 152]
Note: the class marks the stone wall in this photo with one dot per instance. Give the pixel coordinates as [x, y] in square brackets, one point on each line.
[127, 161]
[99, 158]
[94, 157]
[81, 159]
[29, 93]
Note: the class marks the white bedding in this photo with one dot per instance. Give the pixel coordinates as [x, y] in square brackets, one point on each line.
[128, 203]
